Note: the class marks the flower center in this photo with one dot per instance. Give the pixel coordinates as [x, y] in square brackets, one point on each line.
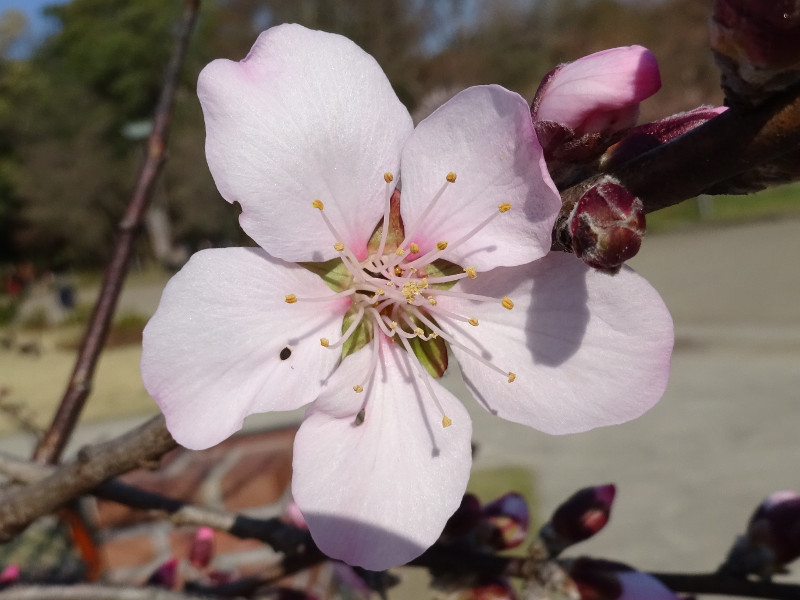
[396, 294]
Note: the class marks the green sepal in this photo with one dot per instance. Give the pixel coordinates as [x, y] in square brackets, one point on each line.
[441, 268]
[395, 234]
[360, 337]
[333, 273]
[431, 353]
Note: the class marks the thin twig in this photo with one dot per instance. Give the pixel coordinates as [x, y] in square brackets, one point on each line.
[723, 585]
[92, 466]
[55, 439]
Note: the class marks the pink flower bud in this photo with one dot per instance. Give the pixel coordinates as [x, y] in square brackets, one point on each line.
[755, 44]
[9, 575]
[583, 514]
[202, 550]
[293, 516]
[510, 517]
[166, 576]
[607, 225]
[651, 135]
[607, 580]
[579, 106]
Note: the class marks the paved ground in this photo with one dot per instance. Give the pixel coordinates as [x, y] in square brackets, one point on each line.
[726, 433]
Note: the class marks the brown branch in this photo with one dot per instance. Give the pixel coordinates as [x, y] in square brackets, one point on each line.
[92, 466]
[729, 145]
[93, 592]
[52, 443]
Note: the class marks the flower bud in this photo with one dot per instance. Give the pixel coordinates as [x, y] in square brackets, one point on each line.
[464, 520]
[607, 225]
[607, 580]
[166, 576]
[580, 106]
[293, 516]
[756, 46]
[9, 575]
[510, 517]
[645, 137]
[583, 514]
[499, 589]
[202, 550]
[772, 539]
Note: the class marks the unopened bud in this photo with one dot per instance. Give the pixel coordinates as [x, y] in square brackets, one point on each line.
[202, 550]
[755, 44]
[464, 520]
[9, 575]
[583, 514]
[607, 580]
[510, 517]
[607, 225]
[293, 516]
[772, 539]
[580, 106]
[645, 137]
[499, 589]
[166, 576]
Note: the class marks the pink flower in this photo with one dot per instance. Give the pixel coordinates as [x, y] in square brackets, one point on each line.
[308, 137]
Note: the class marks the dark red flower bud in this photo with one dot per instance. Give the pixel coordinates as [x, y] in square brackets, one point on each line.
[166, 576]
[583, 514]
[464, 520]
[607, 225]
[757, 45]
[772, 539]
[645, 137]
[510, 517]
[608, 580]
[202, 550]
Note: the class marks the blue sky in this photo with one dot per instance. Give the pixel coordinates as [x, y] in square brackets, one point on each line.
[33, 10]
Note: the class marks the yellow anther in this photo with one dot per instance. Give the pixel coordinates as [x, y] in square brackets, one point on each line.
[389, 283]
[446, 421]
[414, 248]
[434, 335]
[318, 204]
[398, 271]
[504, 207]
[441, 245]
[393, 325]
[399, 252]
[339, 246]
[388, 177]
[507, 303]
[471, 272]
[358, 389]
[419, 331]
[432, 300]
[324, 342]
[473, 321]
[451, 177]
[511, 377]
[290, 298]
[380, 292]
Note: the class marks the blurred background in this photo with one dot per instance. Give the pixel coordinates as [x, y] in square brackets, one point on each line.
[79, 81]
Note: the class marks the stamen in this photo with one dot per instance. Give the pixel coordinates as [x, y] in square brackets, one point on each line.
[346, 335]
[511, 377]
[388, 177]
[473, 321]
[471, 272]
[290, 299]
[441, 246]
[338, 246]
[374, 348]
[399, 252]
[348, 292]
[446, 421]
[507, 303]
[432, 301]
[387, 207]
[414, 248]
[426, 380]
[358, 389]
[451, 177]
[318, 204]
[324, 342]
[504, 207]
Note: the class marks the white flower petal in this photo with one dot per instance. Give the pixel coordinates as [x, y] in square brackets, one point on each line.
[378, 494]
[485, 136]
[214, 352]
[588, 349]
[307, 115]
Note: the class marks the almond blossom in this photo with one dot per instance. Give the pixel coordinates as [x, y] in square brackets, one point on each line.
[358, 292]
